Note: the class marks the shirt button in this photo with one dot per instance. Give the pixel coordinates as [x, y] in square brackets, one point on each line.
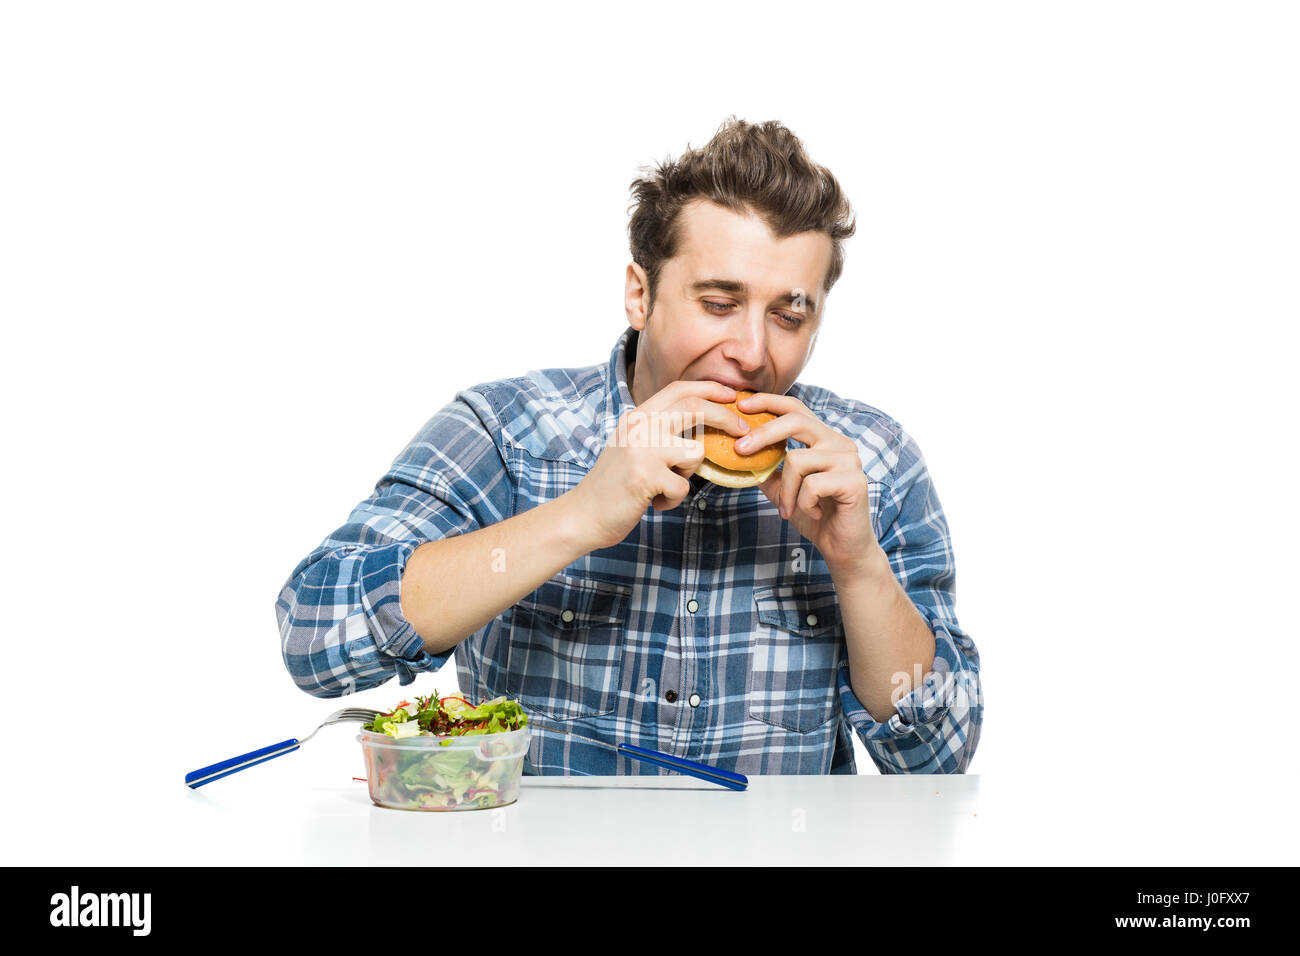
[700, 503]
[567, 616]
[693, 700]
[812, 620]
[671, 697]
[692, 605]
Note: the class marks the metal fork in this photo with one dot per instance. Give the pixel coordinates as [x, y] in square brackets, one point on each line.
[701, 771]
[225, 768]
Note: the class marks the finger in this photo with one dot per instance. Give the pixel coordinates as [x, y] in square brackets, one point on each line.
[813, 490]
[791, 479]
[771, 402]
[803, 462]
[841, 486]
[675, 491]
[818, 432]
[693, 413]
[674, 392]
[802, 427]
[685, 454]
[639, 428]
[771, 487]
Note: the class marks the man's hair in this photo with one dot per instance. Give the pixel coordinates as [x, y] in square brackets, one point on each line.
[760, 168]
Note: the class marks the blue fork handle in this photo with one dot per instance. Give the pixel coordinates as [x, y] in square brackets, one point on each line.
[197, 778]
[725, 778]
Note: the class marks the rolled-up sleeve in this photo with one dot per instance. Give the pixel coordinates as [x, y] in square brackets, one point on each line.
[937, 724]
[340, 612]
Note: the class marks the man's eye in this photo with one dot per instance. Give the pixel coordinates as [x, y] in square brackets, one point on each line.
[789, 320]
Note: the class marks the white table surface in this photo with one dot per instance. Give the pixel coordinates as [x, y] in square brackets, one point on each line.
[281, 813]
[305, 808]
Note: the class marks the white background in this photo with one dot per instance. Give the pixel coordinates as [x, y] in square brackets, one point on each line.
[247, 249]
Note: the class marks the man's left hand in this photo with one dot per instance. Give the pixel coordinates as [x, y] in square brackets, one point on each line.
[820, 489]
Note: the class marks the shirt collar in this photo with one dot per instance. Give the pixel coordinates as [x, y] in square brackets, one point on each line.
[618, 397]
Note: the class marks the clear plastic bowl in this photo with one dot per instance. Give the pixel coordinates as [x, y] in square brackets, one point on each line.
[473, 772]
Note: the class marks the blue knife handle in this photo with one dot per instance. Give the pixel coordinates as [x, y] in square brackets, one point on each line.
[197, 778]
[725, 778]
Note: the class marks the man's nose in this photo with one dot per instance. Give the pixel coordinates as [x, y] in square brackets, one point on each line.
[747, 345]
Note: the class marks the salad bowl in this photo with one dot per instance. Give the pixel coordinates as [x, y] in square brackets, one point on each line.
[446, 754]
[444, 773]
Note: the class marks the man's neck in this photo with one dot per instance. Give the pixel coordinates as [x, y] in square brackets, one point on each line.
[630, 363]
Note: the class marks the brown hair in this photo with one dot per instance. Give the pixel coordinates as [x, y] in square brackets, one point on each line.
[760, 168]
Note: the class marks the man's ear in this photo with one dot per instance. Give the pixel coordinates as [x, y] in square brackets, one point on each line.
[636, 296]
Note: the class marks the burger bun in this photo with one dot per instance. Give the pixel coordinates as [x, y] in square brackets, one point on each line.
[723, 466]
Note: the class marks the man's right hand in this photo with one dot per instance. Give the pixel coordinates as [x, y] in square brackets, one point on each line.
[648, 462]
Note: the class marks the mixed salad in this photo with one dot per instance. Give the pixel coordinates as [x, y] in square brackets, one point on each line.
[458, 777]
[449, 716]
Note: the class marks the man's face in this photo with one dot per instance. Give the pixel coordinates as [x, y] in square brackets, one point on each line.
[736, 305]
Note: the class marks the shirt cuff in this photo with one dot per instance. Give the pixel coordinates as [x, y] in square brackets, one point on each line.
[398, 646]
[923, 706]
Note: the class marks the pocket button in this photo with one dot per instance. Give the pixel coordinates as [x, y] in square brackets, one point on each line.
[795, 656]
[564, 655]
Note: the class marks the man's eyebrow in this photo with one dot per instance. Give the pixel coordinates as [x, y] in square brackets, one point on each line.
[737, 287]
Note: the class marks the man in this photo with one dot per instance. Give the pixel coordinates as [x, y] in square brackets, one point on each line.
[552, 526]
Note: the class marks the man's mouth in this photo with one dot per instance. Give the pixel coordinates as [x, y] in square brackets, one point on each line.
[737, 384]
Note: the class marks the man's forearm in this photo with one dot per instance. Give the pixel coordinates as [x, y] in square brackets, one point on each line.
[454, 586]
[887, 638]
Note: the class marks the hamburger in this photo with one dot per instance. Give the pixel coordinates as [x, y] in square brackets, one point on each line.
[721, 464]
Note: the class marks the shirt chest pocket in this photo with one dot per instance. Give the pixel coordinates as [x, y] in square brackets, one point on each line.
[565, 649]
[795, 657]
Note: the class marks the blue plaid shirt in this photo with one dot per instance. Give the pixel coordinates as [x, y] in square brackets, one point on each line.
[711, 631]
